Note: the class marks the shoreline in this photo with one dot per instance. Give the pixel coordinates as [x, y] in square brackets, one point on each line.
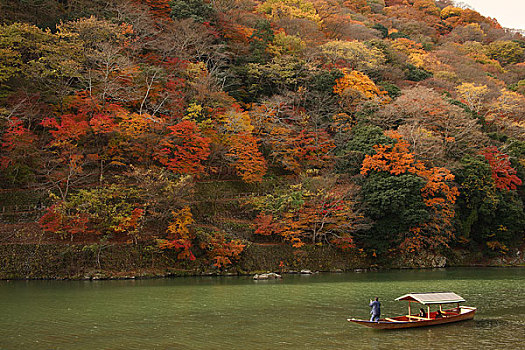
[143, 261]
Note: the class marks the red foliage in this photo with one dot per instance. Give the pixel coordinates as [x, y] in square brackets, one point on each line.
[68, 127]
[160, 9]
[503, 173]
[131, 223]
[16, 139]
[182, 245]
[321, 217]
[344, 243]
[53, 221]
[184, 149]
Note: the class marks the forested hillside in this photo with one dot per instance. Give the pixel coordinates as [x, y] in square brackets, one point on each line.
[385, 127]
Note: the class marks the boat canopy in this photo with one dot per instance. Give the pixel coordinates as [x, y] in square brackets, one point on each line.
[432, 298]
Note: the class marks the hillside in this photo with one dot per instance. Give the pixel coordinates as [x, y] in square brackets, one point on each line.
[386, 129]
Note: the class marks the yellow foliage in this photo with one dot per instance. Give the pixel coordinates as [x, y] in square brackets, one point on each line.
[427, 6]
[498, 246]
[355, 82]
[196, 70]
[451, 11]
[235, 122]
[179, 227]
[416, 54]
[356, 53]
[194, 111]
[277, 9]
[446, 75]
[472, 94]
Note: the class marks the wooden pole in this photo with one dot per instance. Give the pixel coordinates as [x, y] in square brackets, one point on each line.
[428, 310]
[409, 308]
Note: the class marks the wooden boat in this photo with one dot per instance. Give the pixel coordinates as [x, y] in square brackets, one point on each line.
[431, 318]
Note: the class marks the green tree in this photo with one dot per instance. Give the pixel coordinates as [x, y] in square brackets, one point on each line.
[486, 216]
[197, 10]
[395, 205]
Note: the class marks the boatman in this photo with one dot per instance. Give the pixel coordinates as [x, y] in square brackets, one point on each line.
[376, 310]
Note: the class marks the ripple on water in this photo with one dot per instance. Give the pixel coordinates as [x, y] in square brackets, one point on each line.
[238, 313]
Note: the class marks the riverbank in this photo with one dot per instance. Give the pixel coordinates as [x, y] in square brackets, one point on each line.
[123, 261]
[52, 261]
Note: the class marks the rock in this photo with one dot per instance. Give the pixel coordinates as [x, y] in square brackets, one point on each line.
[439, 261]
[306, 272]
[98, 276]
[267, 276]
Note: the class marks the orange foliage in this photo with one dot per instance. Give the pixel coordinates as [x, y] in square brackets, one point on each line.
[160, 9]
[304, 150]
[395, 159]
[359, 6]
[131, 224]
[248, 160]
[324, 216]
[179, 236]
[455, 17]
[222, 251]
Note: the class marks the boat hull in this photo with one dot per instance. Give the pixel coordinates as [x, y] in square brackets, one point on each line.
[467, 313]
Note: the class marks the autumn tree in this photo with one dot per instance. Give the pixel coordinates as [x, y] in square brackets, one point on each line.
[183, 149]
[352, 54]
[220, 249]
[316, 213]
[472, 95]
[503, 174]
[106, 211]
[355, 87]
[20, 154]
[425, 108]
[434, 229]
[179, 235]
[248, 159]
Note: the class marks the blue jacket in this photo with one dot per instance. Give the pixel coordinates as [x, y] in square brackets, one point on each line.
[376, 307]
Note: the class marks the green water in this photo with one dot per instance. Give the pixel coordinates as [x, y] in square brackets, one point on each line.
[298, 312]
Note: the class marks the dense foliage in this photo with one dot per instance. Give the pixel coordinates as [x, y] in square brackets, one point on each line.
[389, 126]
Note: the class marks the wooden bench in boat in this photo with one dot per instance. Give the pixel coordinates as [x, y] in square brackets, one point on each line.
[392, 320]
[418, 318]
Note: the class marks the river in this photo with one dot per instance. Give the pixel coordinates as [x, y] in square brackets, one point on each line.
[297, 312]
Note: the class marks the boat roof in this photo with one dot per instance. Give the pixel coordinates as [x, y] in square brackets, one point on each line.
[433, 298]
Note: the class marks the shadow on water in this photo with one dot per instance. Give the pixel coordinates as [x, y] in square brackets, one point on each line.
[491, 323]
[424, 328]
